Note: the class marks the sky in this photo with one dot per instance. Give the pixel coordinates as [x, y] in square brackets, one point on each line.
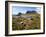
[17, 9]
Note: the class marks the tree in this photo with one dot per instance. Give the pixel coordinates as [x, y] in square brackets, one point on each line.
[19, 13]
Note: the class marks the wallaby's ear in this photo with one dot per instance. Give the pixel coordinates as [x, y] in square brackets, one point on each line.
[21, 22]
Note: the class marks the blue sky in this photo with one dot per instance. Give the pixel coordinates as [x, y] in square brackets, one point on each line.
[17, 9]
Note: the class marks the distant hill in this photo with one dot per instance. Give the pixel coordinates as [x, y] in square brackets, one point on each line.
[31, 12]
[28, 12]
